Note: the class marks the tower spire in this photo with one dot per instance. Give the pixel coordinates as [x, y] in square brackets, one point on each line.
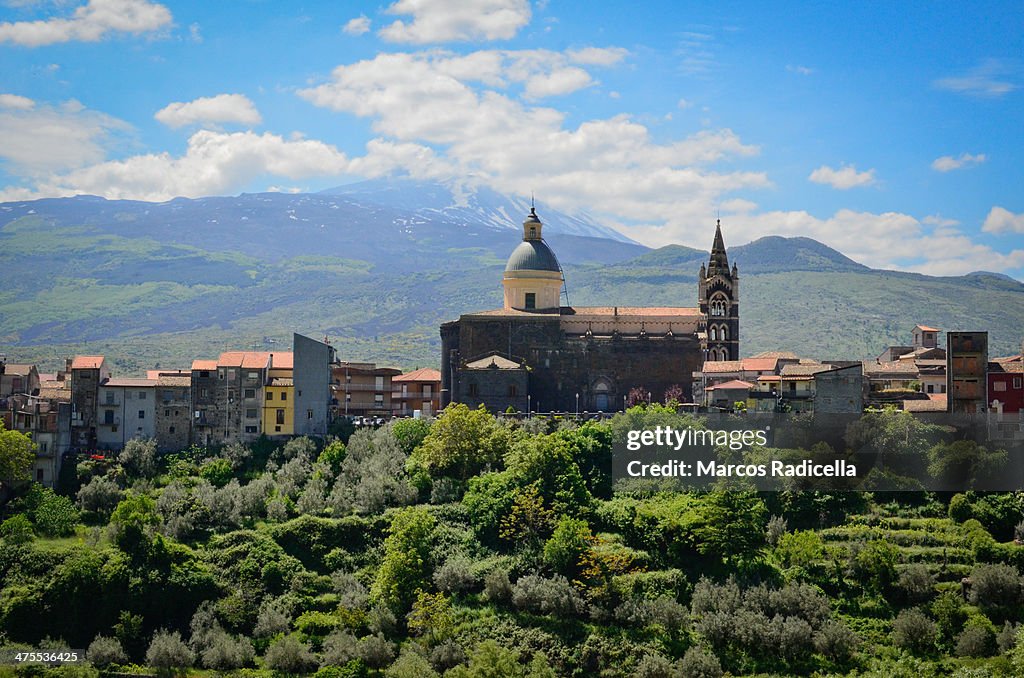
[719, 258]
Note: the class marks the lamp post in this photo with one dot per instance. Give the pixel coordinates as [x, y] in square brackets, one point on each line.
[577, 405]
[529, 406]
[623, 403]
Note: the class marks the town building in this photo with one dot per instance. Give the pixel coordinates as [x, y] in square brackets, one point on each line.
[18, 378]
[967, 372]
[416, 391]
[279, 402]
[840, 390]
[173, 409]
[126, 410]
[87, 373]
[585, 357]
[362, 389]
[311, 403]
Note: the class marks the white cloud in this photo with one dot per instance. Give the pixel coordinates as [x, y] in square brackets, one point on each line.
[982, 81]
[1002, 220]
[456, 106]
[223, 108]
[436, 21]
[890, 240]
[89, 23]
[215, 163]
[195, 33]
[357, 26]
[683, 104]
[948, 163]
[16, 102]
[41, 138]
[802, 70]
[939, 220]
[844, 178]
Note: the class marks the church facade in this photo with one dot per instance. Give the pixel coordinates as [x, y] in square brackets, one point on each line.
[534, 353]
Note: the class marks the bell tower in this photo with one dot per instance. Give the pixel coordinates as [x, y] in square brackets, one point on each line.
[718, 292]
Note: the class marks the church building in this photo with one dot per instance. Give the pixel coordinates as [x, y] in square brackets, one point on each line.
[534, 353]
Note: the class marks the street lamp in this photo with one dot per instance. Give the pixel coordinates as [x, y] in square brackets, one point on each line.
[577, 405]
[529, 410]
[623, 403]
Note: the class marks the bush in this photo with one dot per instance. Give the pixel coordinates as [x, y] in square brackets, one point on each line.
[836, 641]
[104, 651]
[960, 509]
[223, 652]
[410, 665]
[138, 458]
[700, 663]
[288, 654]
[497, 588]
[917, 583]
[776, 528]
[217, 472]
[446, 655]
[914, 631]
[375, 651]
[99, 496]
[995, 586]
[339, 647]
[655, 666]
[547, 596]
[168, 653]
[571, 539]
[1006, 640]
[976, 640]
[17, 530]
[455, 576]
[55, 516]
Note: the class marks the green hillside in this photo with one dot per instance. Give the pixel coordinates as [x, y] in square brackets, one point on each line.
[146, 295]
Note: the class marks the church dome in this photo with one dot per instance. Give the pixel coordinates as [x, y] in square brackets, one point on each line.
[532, 255]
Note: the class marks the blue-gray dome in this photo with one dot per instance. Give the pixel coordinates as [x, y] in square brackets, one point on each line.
[532, 255]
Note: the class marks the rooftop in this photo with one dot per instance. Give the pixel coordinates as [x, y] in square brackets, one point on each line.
[204, 365]
[87, 362]
[21, 370]
[422, 374]
[493, 362]
[731, 385]
[129, 383]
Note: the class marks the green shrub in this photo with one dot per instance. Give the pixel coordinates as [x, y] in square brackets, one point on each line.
[915, 632]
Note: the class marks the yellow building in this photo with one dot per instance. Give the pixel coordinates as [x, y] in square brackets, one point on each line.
[279, 398]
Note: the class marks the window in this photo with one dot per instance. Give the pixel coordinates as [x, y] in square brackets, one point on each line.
[250, 393]
[220, 374]
[531, 301]
[280, 417]
[44, 447]
[113, 429]
[512, 391]
[378, 383]
[170, 430]
[378, 398]
[277, 429]
[284, 395]
[204, 374]
[250, 413]
[270, 395]
[714, 334]
[426, 390]
[1016, 382]
[931, 388]
[39, 475]
[167, 413]
[110, 397]
[472, 389]
[204, 393]
[108, 417]
[253, 376]
[252, 429]
[142, 395]
[309, 414]
[142, 414]
[999, 386]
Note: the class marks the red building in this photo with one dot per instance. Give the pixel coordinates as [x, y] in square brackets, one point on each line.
[1006, 385]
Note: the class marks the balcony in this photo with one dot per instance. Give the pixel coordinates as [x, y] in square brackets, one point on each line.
[107, 423]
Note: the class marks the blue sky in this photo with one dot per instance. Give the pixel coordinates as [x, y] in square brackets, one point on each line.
[892, 132]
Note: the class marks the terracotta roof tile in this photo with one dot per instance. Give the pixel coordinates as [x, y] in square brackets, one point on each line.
[760, 364]
[925, 328]
[422, 374]
[204, 365]
[731, 385]
[87, 362]
[720, 366]
[781, 355]
[19, 369]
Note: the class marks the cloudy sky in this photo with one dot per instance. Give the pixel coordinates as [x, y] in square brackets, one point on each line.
[891, 131]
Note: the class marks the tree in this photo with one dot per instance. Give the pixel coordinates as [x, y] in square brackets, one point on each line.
[17, 454]
[138, 458]
[431, 617]
[406, 567]
[100, 496]
[104, 651]
[461, 443]
[55, 516]
[17, 530]
[168, 653]
[700, 663]
[564, 551]
[915, 632]
[410, 433]
[288, 654]
[733, 525]
[132, 520]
